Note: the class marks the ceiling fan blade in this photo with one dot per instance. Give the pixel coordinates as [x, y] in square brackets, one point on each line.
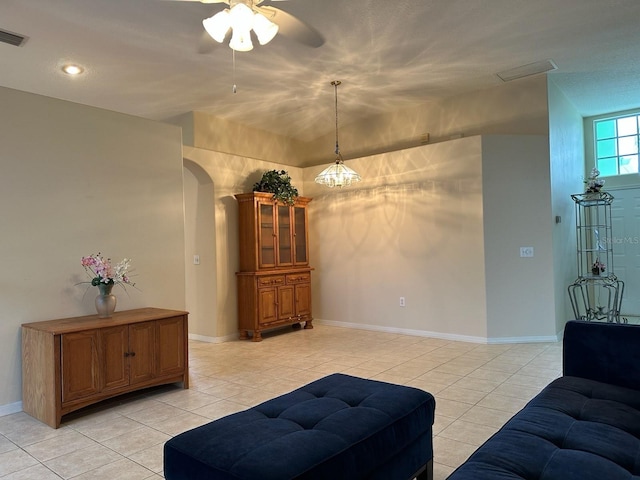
[203, 1]
[292, 27]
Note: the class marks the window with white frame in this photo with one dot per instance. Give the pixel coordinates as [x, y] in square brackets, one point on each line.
[616, 144]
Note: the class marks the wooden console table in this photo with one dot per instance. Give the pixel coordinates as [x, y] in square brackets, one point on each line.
[70, 363]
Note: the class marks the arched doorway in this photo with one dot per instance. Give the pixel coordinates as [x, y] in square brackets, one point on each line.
[200, 252]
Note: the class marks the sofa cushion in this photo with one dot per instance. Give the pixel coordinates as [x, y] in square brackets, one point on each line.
[336, 427]
[574, 429]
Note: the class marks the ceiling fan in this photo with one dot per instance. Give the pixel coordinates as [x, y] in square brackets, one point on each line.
[266, 21]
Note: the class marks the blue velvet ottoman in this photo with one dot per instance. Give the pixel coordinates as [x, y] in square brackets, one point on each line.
[338, 427]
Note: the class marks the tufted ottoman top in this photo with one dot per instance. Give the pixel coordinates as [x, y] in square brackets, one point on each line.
[575, 429]
[336, 427]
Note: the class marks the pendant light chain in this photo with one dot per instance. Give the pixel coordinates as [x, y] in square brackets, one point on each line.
[335, 84]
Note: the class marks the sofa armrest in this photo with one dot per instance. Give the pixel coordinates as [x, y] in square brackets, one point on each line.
[604, 352]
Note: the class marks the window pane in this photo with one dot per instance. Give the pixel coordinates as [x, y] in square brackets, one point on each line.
[629, 164]
[605, 129]
[608, 167]
[627, 145]
[627, 126]
[606, 148]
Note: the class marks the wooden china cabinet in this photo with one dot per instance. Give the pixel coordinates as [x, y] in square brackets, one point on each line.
[274, 281]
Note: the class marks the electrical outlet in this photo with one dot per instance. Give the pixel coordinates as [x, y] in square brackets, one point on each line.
[196, 259]
[402, 302]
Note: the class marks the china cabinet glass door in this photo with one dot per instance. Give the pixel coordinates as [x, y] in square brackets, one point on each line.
[284, 235]
[267, 235]
[300, 235]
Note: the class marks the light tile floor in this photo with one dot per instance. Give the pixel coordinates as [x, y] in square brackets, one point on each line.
[477, 388]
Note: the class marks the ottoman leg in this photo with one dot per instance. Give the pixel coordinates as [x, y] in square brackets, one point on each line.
[427, 472]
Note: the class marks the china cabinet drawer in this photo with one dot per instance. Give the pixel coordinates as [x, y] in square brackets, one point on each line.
[298, 278]
[271, 281]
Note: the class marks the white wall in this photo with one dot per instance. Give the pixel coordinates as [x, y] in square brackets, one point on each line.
[77, 180]
[566, 147]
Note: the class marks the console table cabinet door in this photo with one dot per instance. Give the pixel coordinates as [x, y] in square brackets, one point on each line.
[141, 352]
[80, 365]
[170, 347]
[115, 367]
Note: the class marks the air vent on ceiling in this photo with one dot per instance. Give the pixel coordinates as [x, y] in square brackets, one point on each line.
[12, 38]
[527, 70]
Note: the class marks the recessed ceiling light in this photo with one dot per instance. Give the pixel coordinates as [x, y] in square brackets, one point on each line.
[72, 69]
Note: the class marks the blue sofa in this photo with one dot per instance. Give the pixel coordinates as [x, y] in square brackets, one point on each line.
[584, 425]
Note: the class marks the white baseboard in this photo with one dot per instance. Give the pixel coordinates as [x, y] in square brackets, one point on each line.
[443, 336]
[10, 408]
[533, 339]
[204, 338]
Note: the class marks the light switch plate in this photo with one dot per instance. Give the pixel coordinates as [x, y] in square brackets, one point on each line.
[526, 252]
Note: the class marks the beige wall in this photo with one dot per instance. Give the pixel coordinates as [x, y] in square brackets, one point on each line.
[200, 240]
[412, 228]
[515, 108]
[517, 213]
[207, 132]
[77, 180]
[442, 226]
[416, 226]
[229, 175]
[566, 146]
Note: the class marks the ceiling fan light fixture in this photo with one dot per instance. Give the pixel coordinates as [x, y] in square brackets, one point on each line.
[218, 25]
[241, 17]
[265, 29]
[241, 40]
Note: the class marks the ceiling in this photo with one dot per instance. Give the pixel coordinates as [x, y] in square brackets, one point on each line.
[141, 56]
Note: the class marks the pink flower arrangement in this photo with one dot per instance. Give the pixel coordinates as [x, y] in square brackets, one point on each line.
[102, 271]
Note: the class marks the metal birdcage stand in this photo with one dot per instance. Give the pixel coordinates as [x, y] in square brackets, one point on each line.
[597, 292]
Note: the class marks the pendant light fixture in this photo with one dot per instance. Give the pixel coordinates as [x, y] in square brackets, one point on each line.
[338, 174]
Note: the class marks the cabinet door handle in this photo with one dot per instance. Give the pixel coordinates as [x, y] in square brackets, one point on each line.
[129, 354]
